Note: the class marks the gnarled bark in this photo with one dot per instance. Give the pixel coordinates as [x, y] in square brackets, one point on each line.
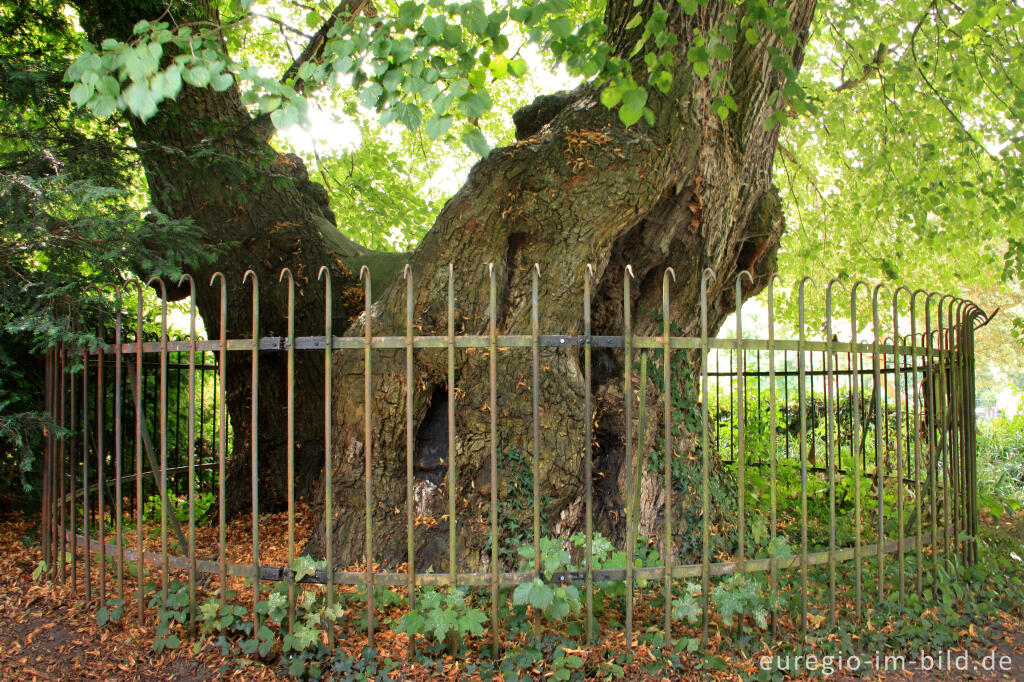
[690, 192]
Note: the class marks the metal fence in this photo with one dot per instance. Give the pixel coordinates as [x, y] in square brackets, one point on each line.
[859, 452]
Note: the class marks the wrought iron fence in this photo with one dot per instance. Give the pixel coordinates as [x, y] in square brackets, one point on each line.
[852, 451]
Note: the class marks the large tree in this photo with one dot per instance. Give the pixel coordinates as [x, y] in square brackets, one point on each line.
[662, 157]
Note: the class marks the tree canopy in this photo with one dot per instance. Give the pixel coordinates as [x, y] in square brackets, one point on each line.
[901, 150]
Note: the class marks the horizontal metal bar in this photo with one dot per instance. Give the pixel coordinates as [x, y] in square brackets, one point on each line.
[280, 343]
[509, 579]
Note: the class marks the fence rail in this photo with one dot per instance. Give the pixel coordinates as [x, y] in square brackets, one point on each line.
[878, 437]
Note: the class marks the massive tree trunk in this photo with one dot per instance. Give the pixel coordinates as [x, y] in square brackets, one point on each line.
[690, 192]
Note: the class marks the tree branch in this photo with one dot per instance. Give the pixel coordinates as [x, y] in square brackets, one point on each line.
[313, 51]
[881, 54]
[938, 95]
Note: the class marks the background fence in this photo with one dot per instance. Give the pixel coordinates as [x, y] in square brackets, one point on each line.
[853, 463]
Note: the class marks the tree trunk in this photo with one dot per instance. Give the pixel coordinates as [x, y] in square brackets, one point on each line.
[206, 159]
[691, 192]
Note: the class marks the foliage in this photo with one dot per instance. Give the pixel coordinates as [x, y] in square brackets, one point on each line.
[427, 65]
[911, 173]
[71, 219]
[1001, 464]
[443, 613]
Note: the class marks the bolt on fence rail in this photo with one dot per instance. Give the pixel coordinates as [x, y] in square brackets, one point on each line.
[881, 431]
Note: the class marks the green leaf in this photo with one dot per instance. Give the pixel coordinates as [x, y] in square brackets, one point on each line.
[434, 26]
[411, 623]
[269, 103]
[409, 115]
[634, 22]
[634, 98]
[558, 610]
[80, 94]
[370, 95]
[611, 96]
[222, 81]
[442, 622]
[499, 66]
[443, 103]
[629, 116]
[535, 593]
[663, 81]
[573, 662]
[476, 105]
[562, 27]
[408, 12]
[472, 622]
[438, 126]
[518, 67]
[140, 101]
[197, 76]
[284, 117]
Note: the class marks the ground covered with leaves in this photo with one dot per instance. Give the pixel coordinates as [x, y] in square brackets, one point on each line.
[972, 631]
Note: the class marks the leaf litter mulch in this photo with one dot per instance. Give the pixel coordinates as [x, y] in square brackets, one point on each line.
[47, 632]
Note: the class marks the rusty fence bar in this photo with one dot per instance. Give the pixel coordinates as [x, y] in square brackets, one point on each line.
[870, 438]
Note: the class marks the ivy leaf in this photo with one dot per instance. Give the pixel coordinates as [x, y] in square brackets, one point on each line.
[302, 567]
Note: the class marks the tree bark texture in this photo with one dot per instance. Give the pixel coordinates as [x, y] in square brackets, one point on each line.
[691, 192]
